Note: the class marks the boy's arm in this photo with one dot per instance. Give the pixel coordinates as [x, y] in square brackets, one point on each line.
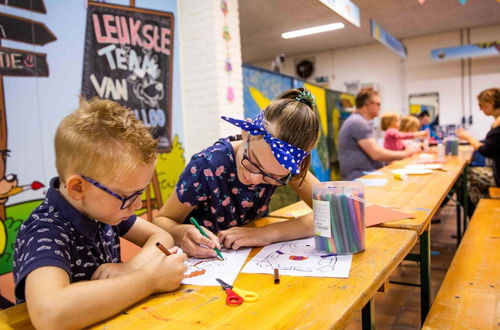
[55, 303]
[144, 234]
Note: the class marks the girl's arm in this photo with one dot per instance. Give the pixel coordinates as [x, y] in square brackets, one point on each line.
[305, 190]
[170, 218]
[238, 237]
[464, 135]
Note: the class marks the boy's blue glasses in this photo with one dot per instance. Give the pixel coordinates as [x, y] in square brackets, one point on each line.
[254, 168]
[126, 200]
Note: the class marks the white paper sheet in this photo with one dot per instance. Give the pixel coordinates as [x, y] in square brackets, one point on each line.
[299, 258]
[205, 271]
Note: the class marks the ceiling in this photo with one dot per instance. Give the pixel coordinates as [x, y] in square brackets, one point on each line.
[263, 21]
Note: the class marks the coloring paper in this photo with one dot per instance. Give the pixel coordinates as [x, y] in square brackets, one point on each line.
[205, 271]
[299, 258]
[373, 182]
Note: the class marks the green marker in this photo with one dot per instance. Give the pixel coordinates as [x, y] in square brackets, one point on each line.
[195, 223]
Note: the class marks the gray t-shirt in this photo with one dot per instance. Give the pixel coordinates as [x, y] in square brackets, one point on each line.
[352, 159]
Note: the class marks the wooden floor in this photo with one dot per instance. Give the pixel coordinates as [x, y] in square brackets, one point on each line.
[399, 307]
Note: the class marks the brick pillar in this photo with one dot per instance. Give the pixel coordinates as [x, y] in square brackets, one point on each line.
[204, 81]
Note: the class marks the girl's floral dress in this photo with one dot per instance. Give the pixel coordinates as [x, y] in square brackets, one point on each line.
[210, 183]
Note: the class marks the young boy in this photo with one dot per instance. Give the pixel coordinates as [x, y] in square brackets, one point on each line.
[67, 254]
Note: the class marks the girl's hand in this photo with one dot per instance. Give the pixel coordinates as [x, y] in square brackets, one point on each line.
[195, 244]
[110, 270]
[462, 134]
[238, 237]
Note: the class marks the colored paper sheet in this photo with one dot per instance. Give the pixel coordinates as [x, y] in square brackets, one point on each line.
[375, 214]
[373, 182]
[299, 258]
[205, 271]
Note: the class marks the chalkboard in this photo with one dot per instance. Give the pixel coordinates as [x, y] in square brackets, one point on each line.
[128, 59]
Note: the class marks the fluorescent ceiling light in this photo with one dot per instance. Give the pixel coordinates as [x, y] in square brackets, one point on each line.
[312, 30]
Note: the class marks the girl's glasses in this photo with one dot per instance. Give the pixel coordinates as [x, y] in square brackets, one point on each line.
[126, 200]
[254, 168]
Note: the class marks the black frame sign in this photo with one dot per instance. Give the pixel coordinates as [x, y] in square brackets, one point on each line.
[128, 59]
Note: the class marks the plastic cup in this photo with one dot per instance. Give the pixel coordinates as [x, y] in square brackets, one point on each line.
[339, 216]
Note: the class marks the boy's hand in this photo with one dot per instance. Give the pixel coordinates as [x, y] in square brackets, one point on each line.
[238, 237]
[110, 270]
[195, 244]
[165, 273]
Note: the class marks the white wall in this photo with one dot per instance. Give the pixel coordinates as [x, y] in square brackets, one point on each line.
[397, 78]
[204, 80]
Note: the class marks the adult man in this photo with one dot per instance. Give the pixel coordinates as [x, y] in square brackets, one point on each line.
[358, 149]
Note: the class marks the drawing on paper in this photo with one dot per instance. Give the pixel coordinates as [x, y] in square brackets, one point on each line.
[296, 255]
[299, 258]
[198, 268]
[205, 271]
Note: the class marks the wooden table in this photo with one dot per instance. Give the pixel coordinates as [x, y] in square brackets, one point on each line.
[297, 302]
[470, 293]
[420, 195]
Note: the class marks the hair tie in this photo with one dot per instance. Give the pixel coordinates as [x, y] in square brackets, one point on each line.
[306, 97]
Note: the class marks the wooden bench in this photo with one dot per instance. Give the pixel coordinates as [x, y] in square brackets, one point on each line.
[470, 293]
[494, 192]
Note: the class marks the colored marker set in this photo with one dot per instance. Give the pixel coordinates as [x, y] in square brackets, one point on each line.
[339, 217]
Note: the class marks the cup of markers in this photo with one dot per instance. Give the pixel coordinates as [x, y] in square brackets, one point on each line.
[339, 216]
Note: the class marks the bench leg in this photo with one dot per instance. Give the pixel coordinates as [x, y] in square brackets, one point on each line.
[368, 315]
[425, 274]
[465, 195]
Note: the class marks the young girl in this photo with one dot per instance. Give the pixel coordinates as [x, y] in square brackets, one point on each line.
[231, 183]
[390, 123]
[409, 124]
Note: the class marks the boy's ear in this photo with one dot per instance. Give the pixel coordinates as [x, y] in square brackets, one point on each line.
[75, 186]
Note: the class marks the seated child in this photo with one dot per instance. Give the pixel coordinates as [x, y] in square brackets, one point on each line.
[229, 184]
[67, 253]
[390, 123]
[409, 124]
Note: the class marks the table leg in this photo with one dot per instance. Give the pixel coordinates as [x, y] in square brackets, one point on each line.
[459, 218]
[368, 315]
[425, 274]
[465, 195]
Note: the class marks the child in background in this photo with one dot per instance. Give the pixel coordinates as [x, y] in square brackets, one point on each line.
[409, 124]
[393, 139]
[231, 183]
[67, 253]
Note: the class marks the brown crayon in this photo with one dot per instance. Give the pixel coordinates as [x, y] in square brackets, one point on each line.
[163, 249]
[276, 276]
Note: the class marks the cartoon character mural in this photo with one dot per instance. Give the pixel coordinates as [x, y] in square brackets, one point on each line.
[50, 99]
[17, 63]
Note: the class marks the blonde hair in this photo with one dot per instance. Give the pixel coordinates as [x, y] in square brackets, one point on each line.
[102, 140]
[387, 120]
[409, 124]
[294, 122]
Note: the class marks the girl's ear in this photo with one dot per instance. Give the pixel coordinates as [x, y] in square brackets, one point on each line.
[75, 186]
[244, 134]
